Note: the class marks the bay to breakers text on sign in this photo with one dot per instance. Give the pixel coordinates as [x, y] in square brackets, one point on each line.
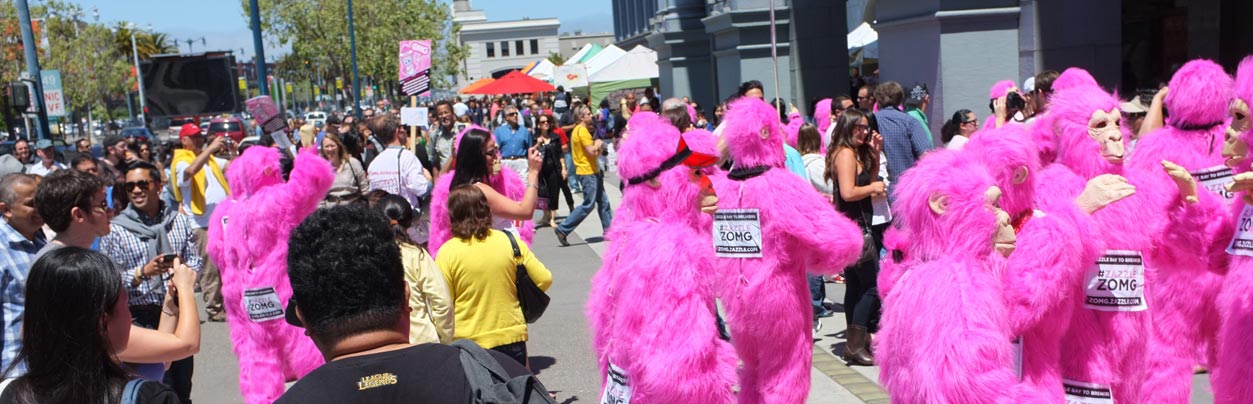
[1116, 282]
[617, 387]
[1216, 179]
[737, 233]
[1087, 393]
[262, 304]
[1242, 240]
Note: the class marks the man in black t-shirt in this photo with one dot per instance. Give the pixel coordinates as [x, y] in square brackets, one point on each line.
[347, 275]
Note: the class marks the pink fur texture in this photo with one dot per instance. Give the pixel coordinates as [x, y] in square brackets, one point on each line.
[248, 240]
[767, 298]
[1070, 111]
[1232, 373]
[744, 130]
[1000, 89]
[793, 128]
[822, 115]
[1074, 77]
[1051, 256]
[506, 183]
[1191, 260]
[950, 344]
[1199, 94]
[660, 265]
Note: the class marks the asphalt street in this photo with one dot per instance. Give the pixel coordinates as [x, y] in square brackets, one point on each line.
[560, 344]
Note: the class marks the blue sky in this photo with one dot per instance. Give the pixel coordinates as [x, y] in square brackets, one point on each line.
[221, 22]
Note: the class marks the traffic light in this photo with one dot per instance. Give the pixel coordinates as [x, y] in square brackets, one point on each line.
[19, 95]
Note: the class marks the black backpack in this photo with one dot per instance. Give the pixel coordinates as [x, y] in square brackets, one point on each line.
[490, 384]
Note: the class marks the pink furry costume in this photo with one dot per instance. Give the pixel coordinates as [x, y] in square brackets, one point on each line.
[949, 344]
[1049, 260]
[1191, 261]
[1000, 89]
[1232, 373]
[248, 239]
[506, 183]
[651, 308]
[822, 118]
[1105, 346]
[765, 289]
[1043, 134]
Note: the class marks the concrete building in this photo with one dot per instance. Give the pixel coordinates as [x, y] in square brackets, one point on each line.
[571, 42]
[498, 47]
[706, 48]
[959, 48]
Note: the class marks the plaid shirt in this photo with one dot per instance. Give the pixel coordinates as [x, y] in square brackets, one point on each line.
[129, 252]
[16, 258]
[904, 141]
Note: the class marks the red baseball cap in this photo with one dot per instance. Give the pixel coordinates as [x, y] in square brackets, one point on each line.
[188, 129]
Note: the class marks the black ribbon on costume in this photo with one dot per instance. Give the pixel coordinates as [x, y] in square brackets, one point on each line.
[671, 162]
[743, 173]
[1195, 127]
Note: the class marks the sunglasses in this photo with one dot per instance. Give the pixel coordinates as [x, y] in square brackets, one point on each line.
[130, 186]
[543, 122]
[512, 114]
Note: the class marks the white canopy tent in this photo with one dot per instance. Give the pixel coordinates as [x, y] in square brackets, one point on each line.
[579, 55]
[542, 70]
[865, 40]
[606, 57]
[639, 63]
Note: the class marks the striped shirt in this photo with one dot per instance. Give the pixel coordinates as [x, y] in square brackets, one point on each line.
[16, 258]
[129, 252]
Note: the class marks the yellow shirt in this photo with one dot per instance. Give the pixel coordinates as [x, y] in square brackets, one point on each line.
[481, 277]
[583, 164]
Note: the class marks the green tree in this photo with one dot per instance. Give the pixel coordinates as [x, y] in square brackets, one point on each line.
[317, 31]
[556, 58]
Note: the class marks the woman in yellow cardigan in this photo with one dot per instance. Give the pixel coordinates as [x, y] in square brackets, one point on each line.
[430, 317]
[480, 269]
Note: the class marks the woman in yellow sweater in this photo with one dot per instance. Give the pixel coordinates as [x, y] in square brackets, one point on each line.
[480, 269]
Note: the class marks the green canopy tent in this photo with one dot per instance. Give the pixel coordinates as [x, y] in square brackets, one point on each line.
[632, 70]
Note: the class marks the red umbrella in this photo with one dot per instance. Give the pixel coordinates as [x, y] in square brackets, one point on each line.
[514, 83]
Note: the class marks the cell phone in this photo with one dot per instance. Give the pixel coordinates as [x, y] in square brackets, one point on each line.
[168, 258]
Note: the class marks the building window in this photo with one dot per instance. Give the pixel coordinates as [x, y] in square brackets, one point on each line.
[534, 46]
[491, 49]
[504, 48]
[517, 46]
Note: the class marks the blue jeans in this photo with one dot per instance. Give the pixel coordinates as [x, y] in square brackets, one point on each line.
[571, 178]
[817, 292]
[593, 193]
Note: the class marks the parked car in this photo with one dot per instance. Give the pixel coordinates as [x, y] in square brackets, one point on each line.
[317, 118]
[176, 124]
[229, 126]
[138, 131]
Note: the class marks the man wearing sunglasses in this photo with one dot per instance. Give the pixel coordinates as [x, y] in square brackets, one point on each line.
[143, 240]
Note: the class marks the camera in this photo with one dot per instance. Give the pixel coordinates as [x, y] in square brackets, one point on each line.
[1015, 102]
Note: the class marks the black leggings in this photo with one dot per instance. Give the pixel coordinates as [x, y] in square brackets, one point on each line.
[861, 293]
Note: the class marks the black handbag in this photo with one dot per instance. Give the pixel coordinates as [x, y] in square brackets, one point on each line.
[532, 299]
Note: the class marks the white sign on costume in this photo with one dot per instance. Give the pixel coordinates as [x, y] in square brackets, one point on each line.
[1087, 393]
[262, 304]
[737, 233]
[1116, 282]
[1242, 240]
[617, 387]
[1216, 179]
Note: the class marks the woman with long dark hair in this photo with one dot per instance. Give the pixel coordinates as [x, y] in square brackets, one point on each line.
[431, 318]
[552, 144]
[476, 161]
[853, 166]
[956, 131]
[76, 321]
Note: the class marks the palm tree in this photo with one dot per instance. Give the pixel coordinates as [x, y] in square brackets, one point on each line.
[148, 44]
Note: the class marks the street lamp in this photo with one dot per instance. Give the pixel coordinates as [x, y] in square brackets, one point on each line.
[139, 74]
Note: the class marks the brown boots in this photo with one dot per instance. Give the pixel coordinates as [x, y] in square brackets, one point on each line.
[856, 347]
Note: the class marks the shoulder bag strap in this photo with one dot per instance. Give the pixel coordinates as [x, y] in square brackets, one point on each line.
[130, 393]
[513, 243]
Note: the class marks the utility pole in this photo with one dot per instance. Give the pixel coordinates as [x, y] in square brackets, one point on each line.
[262, 86]
[32, 68]
[356, 79]
[139, 78]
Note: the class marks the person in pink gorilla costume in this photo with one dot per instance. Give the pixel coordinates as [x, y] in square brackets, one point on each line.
[822, 118]
[1042, 133]
[651, 309]
[1105, 345]
[248, 239]
[1051, 254]
[1232, 374]
[998, 94]
[1189, 267]
[949, 344]
[504, 182]
[772, 226]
